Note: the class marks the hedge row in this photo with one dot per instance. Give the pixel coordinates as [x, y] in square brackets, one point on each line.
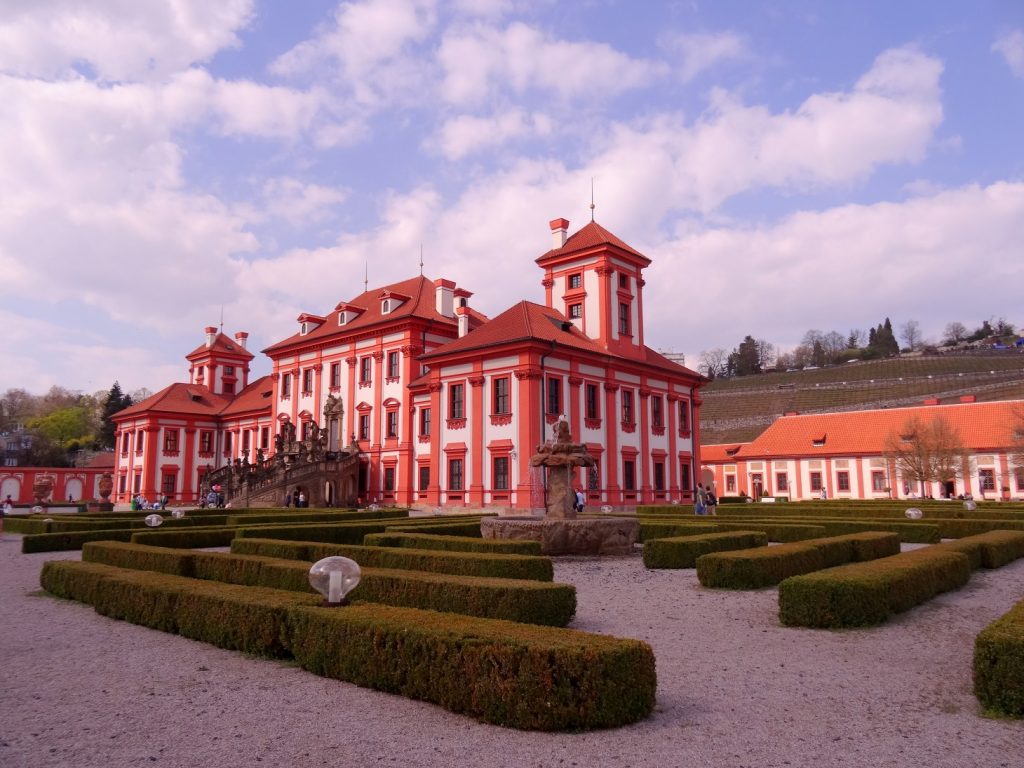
[531, 602]
[58, 542]
[665, 529]
[990, 550]
[999, 664]
[683, 551]
[503, 566]
[451, 543]
[501, 672]
[337, 533]
[756, 568]
[909, 532]
[785, 531]
[865, 594]
[469, 528]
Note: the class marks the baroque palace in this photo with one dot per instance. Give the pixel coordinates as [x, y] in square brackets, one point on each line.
[406, 395]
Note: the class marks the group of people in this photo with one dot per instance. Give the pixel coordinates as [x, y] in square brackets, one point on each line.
[299, 498]
[141, 502]
[706, 502]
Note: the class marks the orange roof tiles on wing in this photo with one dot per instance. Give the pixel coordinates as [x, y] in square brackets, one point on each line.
[178, 398]
[720, 453]
[982, 426]
[254, 397]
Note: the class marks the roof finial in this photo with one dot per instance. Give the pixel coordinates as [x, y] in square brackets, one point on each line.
[222, 318]
[592, 198]
[421, 259]
[366, 277]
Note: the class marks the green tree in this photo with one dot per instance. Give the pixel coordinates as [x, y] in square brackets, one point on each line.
[746, 358]
[116, 401]
[63, 425]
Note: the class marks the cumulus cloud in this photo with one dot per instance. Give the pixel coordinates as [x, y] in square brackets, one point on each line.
[118, 40]
[300, 203]
[1011, 46]
[467, 134]
[703, 51]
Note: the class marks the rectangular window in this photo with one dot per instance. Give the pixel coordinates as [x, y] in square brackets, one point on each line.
[501, 473]
[424, 478]
[501, 401]
[169, 483]
[684, 476]
[657, 414]
[684, 416]
[425, 422]
[122, 483]
[592, 408]
[170, 440]
[843, 481]
[659, 476]
[389, 478]
[392, 365]
[455, 475]
[575, 281]
[137, 484]
[730, 483]
[594, 476]
[987, 479]
[206, 441]
[229, 370]
[575, 311]
[246, 440]
[623, 319]
[286, 385]
[364, 426]
[228, 442]
[307, 381]
[335, 374]
[781, 482]
[392, 418]
[554, 401]
[629, 475]
[140, 439]
[365, 370]
[264, 437]
[456, 401]
[124, 442]
[627, 406]
[1018, 478]
[878, 481]
[229, 387]
[815, 481]
[623, 281]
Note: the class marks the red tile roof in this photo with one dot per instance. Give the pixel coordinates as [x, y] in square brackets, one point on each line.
[178, 398]
[721, 453]
[102, 460]
[221, 343]
[254, 397]
[591, 236]
[421, 304]
[982, 426]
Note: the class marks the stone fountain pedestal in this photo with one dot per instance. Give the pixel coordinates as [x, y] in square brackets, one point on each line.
[578, 536]
[560, 532]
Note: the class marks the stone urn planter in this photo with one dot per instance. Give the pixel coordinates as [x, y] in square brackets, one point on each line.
[41, 490]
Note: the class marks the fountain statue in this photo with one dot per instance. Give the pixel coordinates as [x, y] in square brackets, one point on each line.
[560, 531]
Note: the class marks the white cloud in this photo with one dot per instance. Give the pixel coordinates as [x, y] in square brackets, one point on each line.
[118, 39]
[477, 60]
[300, 203]
[467, 134]
[703, 51]
[1011, 46]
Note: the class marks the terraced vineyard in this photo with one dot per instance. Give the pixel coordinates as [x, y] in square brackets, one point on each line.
[738, 410]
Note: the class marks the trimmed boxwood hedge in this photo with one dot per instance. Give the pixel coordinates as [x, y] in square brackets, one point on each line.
[756, 568]
[909, 532]
[500, 566]
[999, 664]
[501, 672]
[683, 551]
[667, 529]
[865, 594]
[60, 542]
[460, 528]
[140, 557]
[196, 538]
[990, 550]
[451, 543]
[785, 531]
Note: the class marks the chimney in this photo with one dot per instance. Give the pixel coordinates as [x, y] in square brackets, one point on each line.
[211, 334]
[444, 291]
[968, 398]
[559, 232]
[462, 313]
[241, 337]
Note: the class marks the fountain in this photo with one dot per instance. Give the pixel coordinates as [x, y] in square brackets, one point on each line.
[560, 531]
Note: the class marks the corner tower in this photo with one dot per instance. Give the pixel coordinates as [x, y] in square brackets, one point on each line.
[221, 365]
[596, 280]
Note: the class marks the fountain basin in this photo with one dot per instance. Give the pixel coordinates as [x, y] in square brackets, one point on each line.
[560, 536]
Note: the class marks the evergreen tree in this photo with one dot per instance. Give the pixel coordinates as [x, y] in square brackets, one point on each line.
[116, 401]
[746, 358]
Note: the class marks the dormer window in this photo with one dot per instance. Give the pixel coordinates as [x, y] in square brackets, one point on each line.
[819, 442]
[385, 306]
[342, 318]
[304, 329]
[463, 302]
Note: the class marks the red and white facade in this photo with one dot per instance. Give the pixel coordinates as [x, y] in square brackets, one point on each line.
[844, 455]
[446, 405]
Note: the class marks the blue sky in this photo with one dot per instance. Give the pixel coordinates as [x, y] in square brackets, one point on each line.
[786, 166]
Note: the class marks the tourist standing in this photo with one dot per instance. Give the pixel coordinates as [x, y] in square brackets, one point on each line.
[302, 500]
[701, 501]
[580, 500]
[710, 501]
[288, 499]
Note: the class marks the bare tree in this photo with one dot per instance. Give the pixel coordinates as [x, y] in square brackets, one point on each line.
[833, 343]
[955, 333]
[713, 362]
[910, 332]
[765, 354]
[927, 451]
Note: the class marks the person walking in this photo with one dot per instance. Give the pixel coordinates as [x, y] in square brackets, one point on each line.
[710, 501]
[701, 500]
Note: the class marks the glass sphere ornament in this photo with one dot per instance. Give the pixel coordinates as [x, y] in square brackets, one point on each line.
[374, 507]
[970, 506]
[177, 514]
[37, 510]
[606, 509]
[334, 577]
[914, 513]
[154, 520]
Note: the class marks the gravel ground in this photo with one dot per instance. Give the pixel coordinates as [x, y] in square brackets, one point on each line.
[734, 688]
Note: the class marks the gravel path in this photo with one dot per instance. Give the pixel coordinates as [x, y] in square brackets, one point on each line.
[734, 688]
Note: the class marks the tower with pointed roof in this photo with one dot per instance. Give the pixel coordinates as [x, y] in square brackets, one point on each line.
[596, 280]
[221, 365]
